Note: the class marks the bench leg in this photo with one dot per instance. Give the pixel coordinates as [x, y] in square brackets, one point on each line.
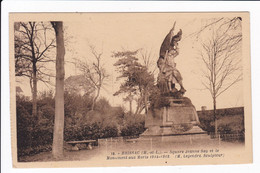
[89, 147]
[74, 147]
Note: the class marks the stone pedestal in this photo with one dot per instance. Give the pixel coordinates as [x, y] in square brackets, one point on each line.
[179, 118]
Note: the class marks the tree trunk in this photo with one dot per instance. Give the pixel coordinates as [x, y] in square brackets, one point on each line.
[34, 92]
[95, 99]
[215, 116]
[130, 106]
[57, 148]
[145, 103]
[138, 107]
[34, 75]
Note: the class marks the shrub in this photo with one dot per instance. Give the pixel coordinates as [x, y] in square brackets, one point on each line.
[206, 122]
[90, 131]
[133, 129]
[34, 134]
[232, 125]
[230, 121]
[133, 125]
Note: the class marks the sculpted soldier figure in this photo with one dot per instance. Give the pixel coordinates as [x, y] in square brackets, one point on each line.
[169, 108]
[169, 75]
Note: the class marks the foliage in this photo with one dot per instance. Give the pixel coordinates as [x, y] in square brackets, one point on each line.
[230, 121]
[137, 80]
[76, 106]
[133, 129]
[35, 134]
[89, 131]
[78, 84]
[157, 100]
[133, 125]
[231, 125]
[206, 121]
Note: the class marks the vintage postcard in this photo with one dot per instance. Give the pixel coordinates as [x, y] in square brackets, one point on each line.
[130, 89]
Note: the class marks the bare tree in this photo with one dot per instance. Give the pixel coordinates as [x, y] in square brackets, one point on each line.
[150, 64]
[94, 74]
[234, 22]
[147, 60]
[57, 148]
[221, 55]
[33, 44]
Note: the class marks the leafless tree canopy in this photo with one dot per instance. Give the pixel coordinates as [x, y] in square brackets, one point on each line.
[94, 74]
[221, 54]
[148, 60]
[33, 45]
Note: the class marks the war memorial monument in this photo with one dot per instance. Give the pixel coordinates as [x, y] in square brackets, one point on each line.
[177, 117]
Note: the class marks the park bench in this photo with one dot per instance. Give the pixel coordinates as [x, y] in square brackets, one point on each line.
[75, 144]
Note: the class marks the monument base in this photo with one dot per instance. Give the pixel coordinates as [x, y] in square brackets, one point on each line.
[176, 138]
[167, 131]
[179, 118]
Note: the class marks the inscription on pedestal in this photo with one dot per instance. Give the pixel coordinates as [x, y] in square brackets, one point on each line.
[178, 115]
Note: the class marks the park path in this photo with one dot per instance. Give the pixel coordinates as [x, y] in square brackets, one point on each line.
[104, 150]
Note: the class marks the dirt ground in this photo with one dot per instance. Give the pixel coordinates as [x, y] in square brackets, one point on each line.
[134, 145]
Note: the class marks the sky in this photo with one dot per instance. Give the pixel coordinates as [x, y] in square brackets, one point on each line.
[111, 32]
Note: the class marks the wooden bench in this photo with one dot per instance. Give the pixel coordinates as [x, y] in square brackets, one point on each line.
[74, 144]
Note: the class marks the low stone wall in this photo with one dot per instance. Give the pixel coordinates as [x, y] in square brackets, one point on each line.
[223, 112]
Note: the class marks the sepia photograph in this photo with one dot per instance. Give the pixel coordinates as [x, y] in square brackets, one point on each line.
[130, 89]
